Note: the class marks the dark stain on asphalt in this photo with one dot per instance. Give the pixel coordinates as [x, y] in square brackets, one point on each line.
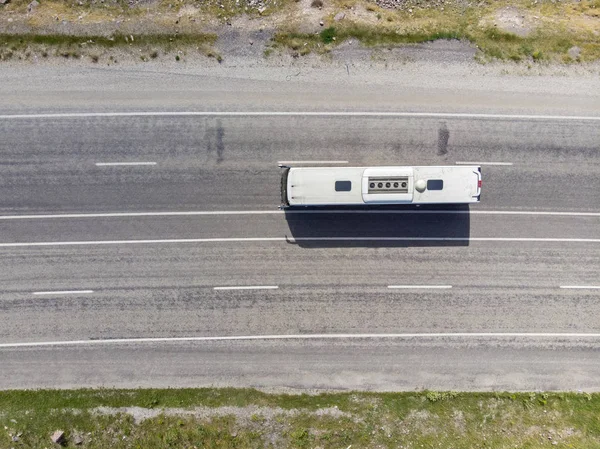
[214, 140]
[443, 137]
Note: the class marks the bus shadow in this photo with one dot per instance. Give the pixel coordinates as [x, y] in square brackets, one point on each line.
[398, 226]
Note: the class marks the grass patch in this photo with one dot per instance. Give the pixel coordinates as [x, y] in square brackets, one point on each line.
[328, 35]
[543, 45]
[197, 418]
[368, 36]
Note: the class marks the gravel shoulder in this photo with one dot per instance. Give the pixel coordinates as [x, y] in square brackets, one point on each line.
[425, 77]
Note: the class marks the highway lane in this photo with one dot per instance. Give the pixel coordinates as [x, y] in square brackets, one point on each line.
[212, 163]
[440, 364]
[461, 224]
[168, 290]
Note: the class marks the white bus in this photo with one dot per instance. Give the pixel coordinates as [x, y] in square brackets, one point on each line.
[335, 186]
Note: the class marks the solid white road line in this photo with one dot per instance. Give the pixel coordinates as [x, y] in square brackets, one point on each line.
[249, 287]
[585, 287]
[114, 164]
[144, 214]
[298, 239]
[301, 337]
[298, 114]
[484, 163]
[281, 212]
[419, 286]
[311, 162]
[65, 292]
[516, 212]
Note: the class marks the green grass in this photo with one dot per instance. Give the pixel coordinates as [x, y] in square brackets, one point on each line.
[426, 419]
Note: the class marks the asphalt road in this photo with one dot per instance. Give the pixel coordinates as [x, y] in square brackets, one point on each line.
[496, 296]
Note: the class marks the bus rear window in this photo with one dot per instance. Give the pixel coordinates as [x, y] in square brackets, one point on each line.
[343, 186]
[435, 184]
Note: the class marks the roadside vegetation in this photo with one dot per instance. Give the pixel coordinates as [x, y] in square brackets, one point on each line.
[242, 418]
[107, 50]
[535, 31]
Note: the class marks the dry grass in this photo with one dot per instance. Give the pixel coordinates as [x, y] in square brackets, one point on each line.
[550, 28]
[99, 49]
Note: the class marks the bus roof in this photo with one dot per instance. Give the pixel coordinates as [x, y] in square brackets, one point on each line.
[383, 185]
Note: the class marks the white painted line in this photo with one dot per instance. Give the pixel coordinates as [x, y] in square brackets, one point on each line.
[144, 214]
[115, 341]
[114, 164]
[65, 292]
[586, 287]
[515, 212]
[299, 114]
[306, 212]
[298, 239]
[420, 286]
[484, 163]
[311, 162]
[249, 287]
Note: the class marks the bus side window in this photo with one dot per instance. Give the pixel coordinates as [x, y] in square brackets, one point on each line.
[343, 186]
[435, 184]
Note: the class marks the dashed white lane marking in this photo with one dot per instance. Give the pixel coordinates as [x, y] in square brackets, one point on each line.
[248, 287]
[585, 287]
[65, 292]
[484, 163]
[419, 286]
[311, 162]
[299, 239]
[299, 114]
[533, 335]
[115, 164]
[281, 212]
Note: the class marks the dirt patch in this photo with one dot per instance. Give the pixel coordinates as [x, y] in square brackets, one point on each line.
[244, 415]
[459, 421]
[514, 21]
